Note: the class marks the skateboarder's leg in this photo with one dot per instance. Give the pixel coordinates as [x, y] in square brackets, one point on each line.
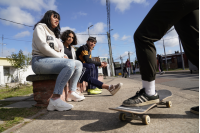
[163, 15]
[188, 31]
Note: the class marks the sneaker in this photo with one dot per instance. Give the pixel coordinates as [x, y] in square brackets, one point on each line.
[93, 92]
[97, 89]
[114, 88]
[195, 110]
[73, 96]
[79, 93]
[59, 105]
[162, 72]
[141, 99]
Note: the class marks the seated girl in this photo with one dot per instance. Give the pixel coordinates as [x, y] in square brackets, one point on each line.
[49, 58]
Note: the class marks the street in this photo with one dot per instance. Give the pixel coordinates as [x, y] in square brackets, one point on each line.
[185, 82]
[93, 114]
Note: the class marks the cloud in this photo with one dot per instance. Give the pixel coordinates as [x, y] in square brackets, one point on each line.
[125, 54]
[123, 5]
[22, 34]
[82, 13]
[75, 15]
[36, 5]
[17, 15]
[7, 52]
[98, 28]
[125, 37]
[67, 28]
[19, 10]
[169, 52]
[116, 36]
[170, 40]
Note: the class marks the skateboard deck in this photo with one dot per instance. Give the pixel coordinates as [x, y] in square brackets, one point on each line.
[163, 94]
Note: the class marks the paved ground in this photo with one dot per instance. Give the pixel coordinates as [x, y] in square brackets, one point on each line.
[93, 115]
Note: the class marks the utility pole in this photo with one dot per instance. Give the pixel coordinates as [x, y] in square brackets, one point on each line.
[130, 61]
[165, 56]
[110, 53]
[88, 30]
[122, 66]
[181, 54]
[2, 45]
[108, 35]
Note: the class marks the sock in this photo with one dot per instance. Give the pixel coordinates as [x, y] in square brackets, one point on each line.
[109, 87]
[149, 87]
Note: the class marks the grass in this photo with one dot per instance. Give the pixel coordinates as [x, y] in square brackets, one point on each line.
[13, 116]
[15, 92]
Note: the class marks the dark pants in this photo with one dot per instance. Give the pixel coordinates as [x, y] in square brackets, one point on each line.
[160, 65]
[91, 76]
[184, 15]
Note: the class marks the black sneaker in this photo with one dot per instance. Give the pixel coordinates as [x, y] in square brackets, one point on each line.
[195, 110]
[141, 99]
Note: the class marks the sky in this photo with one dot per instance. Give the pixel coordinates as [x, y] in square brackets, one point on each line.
[78, 15]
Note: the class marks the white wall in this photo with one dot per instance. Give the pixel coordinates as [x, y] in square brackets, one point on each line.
[24, 74]
[13, 71]
[2, 76]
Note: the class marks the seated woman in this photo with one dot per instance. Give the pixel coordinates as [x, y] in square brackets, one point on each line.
[49, 58]
[69, 38]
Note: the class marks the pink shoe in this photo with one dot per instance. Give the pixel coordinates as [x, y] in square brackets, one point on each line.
[73, 96]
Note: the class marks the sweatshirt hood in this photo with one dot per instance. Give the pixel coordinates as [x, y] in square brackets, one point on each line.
[46, 27]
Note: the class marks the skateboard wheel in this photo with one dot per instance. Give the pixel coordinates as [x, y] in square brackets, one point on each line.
[169, 104]
[145, 119]
[122, 116]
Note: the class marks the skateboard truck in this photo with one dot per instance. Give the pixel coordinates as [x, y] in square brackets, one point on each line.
[144, 118]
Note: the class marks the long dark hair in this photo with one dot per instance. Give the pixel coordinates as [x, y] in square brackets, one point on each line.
[65, 35]
[47, 20]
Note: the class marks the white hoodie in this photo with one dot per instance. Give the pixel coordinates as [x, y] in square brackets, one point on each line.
[44, 43]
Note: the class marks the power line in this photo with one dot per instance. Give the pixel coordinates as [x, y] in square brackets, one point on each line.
[17, 40]
[15, 22]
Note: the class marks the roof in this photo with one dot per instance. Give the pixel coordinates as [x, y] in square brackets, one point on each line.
[4, 62]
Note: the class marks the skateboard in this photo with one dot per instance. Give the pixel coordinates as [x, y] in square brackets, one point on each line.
[137, 112]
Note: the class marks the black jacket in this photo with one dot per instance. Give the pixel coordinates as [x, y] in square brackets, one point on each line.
[84, 55]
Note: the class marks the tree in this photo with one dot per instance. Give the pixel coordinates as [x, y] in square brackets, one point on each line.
[19, 61]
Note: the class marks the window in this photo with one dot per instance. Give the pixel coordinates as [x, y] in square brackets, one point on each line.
[6, 71]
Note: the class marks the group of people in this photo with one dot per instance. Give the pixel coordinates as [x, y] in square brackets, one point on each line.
[53, 56]
[50, 56]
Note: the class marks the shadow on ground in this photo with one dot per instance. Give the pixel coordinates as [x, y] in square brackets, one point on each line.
[106, 121]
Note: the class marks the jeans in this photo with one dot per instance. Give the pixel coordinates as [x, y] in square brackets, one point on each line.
[128, 70]
[93, 72]
[88, 78]
[184, 16]
[65, 68]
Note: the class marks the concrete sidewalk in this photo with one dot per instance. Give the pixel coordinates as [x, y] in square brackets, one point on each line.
[93, 115]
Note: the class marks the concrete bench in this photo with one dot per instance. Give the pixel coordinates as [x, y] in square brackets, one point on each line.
[43, 87]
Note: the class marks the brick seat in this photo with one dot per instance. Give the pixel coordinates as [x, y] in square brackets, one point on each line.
[43, 87]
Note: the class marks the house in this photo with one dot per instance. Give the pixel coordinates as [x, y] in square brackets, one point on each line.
[174, 60]
[9, 74]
